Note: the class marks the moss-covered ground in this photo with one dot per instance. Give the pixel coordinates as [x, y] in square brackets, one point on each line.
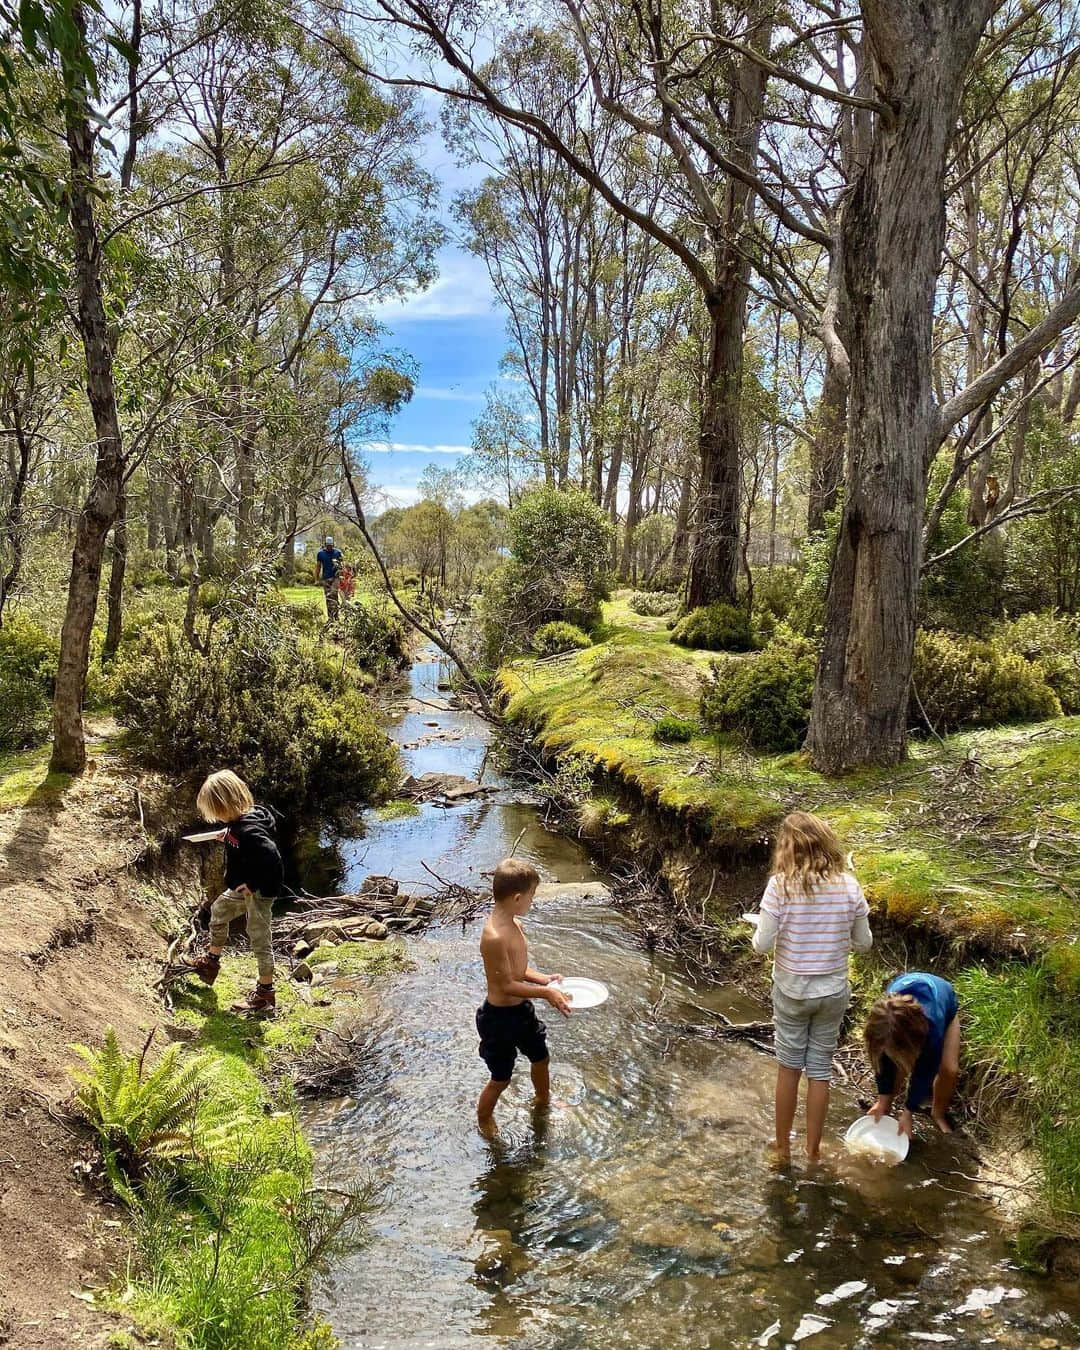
[969, 851]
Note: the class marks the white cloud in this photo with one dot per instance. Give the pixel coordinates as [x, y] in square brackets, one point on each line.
[387, 447]
[462, 290]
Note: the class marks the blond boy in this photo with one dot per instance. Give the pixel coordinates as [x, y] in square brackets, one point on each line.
[253, 876]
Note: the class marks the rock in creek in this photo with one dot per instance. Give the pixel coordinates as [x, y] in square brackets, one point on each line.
[447, 787]
[344, 930]
[382, 888]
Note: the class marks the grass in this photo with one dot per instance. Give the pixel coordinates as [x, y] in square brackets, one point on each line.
[221, 1251]
[968, 850]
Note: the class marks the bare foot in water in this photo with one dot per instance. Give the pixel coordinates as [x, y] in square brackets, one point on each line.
[779, 1157]
[487, 1127]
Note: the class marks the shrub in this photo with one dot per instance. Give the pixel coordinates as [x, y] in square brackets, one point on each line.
[763, 698]
[375, 635]
[558, 570]
[1054, 641]
[672, 730]
[265, 699]
[961, 681]
[654, 604]
[716, 628]
[775, 590]
[28, 657]
[557, 637]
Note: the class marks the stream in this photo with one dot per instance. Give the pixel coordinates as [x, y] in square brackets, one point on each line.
[640, 1211]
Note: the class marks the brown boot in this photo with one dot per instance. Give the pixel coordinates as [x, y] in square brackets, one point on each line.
[207, 966]
[262, 1002]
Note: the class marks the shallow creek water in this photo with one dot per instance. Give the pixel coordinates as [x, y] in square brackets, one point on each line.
[640, 1211]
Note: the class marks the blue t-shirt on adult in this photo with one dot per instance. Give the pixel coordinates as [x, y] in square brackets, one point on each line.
[329, 560]
[937, 998]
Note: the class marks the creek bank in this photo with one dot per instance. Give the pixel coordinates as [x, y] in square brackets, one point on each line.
[968, 854]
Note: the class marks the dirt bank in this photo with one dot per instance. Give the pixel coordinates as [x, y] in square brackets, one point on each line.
[82, 946]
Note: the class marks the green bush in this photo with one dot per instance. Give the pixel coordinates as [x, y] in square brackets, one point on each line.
[264, 699]
[775, 591]
[375, 635]
[672, 730]
[960, 681]
[28, 657]
[716, 628]
[559, 569]
[1053, 640]
[763, 698]
[554, 638]
[654, 604]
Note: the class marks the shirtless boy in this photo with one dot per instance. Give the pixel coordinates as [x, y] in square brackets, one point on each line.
[507, 1021]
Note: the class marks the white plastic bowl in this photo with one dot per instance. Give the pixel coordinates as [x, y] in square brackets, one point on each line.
[881, 1140]
[584, 993]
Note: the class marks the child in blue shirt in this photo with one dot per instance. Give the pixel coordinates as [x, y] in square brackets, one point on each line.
[913, 1034]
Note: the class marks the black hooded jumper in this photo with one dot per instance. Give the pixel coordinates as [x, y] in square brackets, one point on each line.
[251, 854]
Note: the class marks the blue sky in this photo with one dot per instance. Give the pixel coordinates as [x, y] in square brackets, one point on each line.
[456, 335]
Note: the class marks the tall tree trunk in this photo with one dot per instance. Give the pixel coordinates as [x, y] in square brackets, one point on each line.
[680, 551]
[714, 567]
[829, 437]
[115, 626]
[103, 499]
[891, 239]
[13, 525]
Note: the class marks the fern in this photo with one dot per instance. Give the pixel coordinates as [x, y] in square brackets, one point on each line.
[140, 1115]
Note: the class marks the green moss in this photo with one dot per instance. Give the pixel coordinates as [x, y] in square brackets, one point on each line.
[371, 958]
[398, 809]
[25, 777]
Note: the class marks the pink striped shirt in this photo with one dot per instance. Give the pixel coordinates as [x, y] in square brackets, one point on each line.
[814, 932]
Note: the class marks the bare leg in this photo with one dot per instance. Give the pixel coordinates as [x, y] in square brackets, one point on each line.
[945, 1082]
[787, 1098]
[541, 1082]
[817, 1104]
[485, 1107]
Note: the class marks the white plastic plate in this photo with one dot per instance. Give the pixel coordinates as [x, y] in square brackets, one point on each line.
[584, 993]
[207, 837]
[751, 918]
[881, 1139]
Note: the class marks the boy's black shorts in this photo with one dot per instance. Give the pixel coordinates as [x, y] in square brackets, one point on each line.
[505, 1031]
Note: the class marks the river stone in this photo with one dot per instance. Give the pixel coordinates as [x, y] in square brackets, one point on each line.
[383, 887]
[448, 786]
[302, 971]
[344, 930]
[302, 949]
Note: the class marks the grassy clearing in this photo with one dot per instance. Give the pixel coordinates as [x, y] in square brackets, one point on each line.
[221, 1251]
[969, 849]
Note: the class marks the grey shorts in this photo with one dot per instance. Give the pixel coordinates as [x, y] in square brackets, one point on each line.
[807, 1031]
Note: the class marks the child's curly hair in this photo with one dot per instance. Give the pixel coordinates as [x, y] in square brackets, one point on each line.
[807, 853]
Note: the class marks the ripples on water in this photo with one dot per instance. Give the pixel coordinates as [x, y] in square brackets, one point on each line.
[640, 1212]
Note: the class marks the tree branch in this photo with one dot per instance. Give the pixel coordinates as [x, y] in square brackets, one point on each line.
[1042, 336]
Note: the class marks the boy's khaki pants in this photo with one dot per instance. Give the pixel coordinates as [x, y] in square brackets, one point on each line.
[258, 910]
